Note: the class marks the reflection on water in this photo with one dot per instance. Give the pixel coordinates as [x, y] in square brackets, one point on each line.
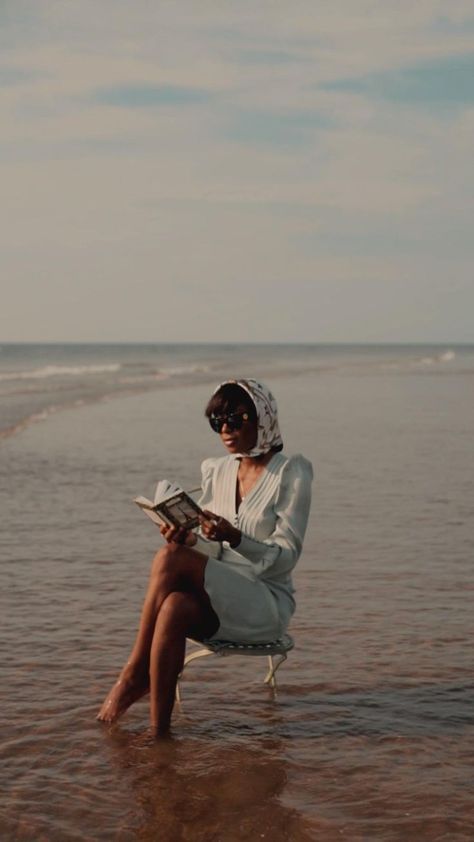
[213, 780]
[201, 787]
[317, 762]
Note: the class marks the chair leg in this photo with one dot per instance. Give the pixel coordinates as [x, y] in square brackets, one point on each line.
[199, 653]
[273, 666]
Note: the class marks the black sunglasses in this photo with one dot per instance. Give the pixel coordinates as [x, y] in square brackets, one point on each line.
[233, 421]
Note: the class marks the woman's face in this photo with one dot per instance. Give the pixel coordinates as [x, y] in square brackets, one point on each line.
[239, 441]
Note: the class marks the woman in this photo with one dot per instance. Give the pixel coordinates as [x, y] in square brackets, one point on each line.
[256, 504]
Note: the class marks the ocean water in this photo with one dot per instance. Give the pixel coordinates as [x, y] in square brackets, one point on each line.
[370, 734]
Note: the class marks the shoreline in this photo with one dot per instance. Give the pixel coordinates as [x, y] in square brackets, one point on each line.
[130, 376]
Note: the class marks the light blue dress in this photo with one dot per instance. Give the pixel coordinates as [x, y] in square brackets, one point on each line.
[250, 587]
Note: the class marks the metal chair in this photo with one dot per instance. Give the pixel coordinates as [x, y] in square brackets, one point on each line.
[223, 648]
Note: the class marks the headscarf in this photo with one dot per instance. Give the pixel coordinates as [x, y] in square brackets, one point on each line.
[268, 430]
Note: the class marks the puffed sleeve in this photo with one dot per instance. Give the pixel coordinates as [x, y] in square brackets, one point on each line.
[207, 474]
[280, 551]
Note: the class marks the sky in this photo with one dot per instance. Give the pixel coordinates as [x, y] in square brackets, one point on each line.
[237, 171]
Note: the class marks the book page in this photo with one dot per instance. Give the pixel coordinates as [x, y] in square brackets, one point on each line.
[166, 489]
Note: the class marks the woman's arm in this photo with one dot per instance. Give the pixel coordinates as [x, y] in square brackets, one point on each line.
[281, 550]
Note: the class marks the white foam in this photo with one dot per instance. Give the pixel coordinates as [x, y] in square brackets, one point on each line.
[60, 371]
[446, 357]
[176, 371]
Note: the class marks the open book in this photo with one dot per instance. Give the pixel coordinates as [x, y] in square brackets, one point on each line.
[172, 506]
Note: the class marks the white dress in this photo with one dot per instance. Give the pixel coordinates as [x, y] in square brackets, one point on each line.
[250, 587]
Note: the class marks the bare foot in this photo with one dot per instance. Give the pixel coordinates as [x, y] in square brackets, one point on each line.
[127, 690]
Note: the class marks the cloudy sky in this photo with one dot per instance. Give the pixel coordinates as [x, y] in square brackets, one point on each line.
[237, 170]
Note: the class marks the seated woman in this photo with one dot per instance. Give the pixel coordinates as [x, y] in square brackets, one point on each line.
[256, 505]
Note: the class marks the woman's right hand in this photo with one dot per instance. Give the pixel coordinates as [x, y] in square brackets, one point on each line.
[172, 534]
[219, 529]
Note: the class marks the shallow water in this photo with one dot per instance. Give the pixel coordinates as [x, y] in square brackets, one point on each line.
[370, 734]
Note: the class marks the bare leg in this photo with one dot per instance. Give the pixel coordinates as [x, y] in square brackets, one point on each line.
[175, 568]
[181, 615]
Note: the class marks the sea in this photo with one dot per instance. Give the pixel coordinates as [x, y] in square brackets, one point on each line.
[369, 736]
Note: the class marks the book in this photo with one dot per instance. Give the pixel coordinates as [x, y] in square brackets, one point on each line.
[174, 507]
[171, 507]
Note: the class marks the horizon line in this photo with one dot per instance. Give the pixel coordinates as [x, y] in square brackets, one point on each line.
[266, 343]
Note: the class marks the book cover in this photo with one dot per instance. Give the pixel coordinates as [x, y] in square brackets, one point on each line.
[172, 507]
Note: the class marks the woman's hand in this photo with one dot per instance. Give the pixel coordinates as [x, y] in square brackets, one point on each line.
[219, 529]
[172, 534]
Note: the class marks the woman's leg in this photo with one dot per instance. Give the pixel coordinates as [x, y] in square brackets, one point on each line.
[175, 568]
[181, 615]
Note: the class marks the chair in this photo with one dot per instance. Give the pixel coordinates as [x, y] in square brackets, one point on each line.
[223, 648]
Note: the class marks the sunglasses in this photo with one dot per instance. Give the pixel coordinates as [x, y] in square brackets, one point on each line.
[233, 421]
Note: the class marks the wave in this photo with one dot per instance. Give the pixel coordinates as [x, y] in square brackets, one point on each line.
[153, 375]
[60, 371]
[48, 371]
[410, 363]
[445, 357]
[179, 370]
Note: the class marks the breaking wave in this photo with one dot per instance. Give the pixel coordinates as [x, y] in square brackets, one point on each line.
[60, 371]
[445, 357]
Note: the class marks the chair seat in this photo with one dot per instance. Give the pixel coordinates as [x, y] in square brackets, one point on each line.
[224, 648]
[228, 647]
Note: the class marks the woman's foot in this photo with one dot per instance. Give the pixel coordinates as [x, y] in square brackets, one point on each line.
[127, 690]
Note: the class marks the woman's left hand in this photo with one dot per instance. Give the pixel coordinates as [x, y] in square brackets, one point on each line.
[173, 535]
[219, 529]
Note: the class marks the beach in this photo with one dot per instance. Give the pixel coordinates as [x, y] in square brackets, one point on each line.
[369, 736]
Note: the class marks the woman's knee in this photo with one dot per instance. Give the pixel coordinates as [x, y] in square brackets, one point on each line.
[179, 611]
[180, 566]
[165, 558]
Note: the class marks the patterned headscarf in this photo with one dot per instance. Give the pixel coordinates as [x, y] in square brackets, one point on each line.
[268, 431]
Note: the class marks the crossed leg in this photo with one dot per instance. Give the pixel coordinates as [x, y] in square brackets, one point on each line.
[176, 606]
